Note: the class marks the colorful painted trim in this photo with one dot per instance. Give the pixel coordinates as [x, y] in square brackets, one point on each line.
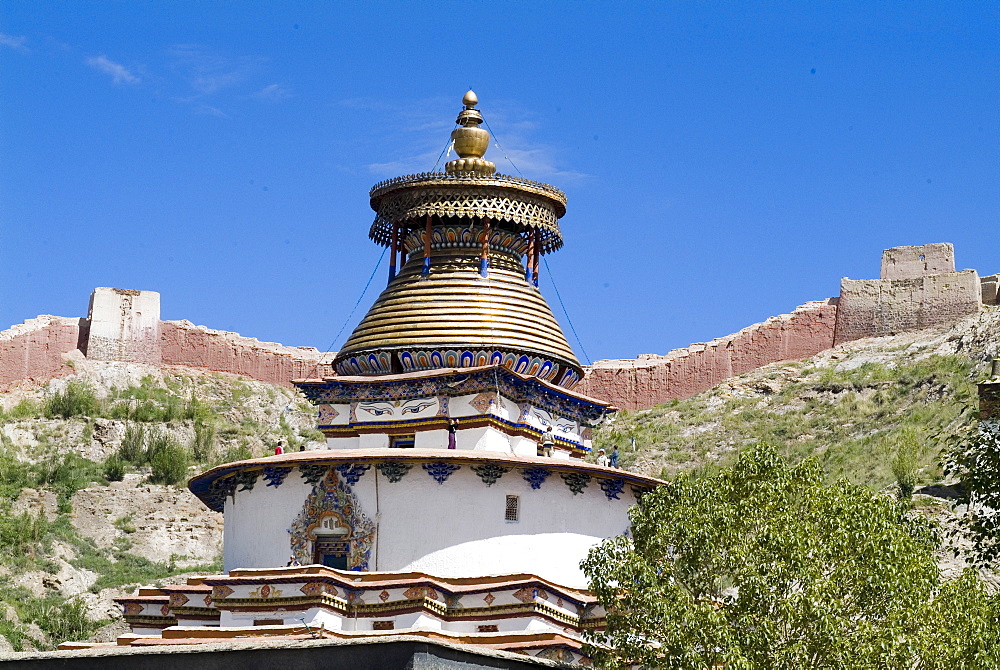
[408, 427]
[333, 497]
[214, 486]
[380, 363]
[518, 387]
[467, 237]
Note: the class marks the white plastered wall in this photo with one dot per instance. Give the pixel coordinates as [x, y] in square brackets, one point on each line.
[453, 529]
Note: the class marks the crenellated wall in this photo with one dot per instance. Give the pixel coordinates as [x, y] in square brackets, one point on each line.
[39, 349]
[650, 379]
[44, 348]
[183, 343]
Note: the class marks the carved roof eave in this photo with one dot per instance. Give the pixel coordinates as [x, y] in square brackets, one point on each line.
[201, 485]
[454, 382]
[528, 204]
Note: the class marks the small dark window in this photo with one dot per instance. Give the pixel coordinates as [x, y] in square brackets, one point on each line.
[331, 552]
[401, 441]
[384, 625]
[488, 628]
[268, 622]
[512, 508]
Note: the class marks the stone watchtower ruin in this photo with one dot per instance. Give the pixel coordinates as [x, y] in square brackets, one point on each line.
[918, 287]
[918, 261]
[123, 325]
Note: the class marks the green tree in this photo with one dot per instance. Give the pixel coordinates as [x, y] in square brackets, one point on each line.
[763, 565]
[974, 457]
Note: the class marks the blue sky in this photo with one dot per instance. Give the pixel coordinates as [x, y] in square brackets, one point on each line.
[724, 162]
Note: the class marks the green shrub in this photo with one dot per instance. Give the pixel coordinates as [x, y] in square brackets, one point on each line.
[26, 409]
[59, 618]
[197, 411]
[312, 435]
[133, 446]
[62, 620]
[77, 399]
[238, 453]
[24, 536]
[131, 569]
[69, 474]
[156, 441]
[114, 468]
[150, 402]
[125, 524]
[203, 444]
[14, 475]
[169, 461]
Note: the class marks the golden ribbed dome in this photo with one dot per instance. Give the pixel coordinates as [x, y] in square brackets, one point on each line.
[463, 298]
[455, 318]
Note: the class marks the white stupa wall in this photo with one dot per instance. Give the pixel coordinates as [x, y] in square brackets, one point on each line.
[453, 529]
[477, 439]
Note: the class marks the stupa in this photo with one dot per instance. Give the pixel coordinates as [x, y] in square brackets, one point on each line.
[452, 501]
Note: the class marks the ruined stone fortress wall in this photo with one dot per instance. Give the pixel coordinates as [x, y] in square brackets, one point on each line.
[918, 287]
[921, 261]
[38, 349]
[650, 379]
[125, 325]
[183, 343]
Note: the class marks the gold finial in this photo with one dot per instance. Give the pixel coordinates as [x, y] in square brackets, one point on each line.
[470, 141]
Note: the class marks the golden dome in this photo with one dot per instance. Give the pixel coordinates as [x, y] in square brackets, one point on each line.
[454, 318]
[466, 300]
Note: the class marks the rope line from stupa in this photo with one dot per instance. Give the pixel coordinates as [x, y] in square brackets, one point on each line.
[566, 311]
[315, 370]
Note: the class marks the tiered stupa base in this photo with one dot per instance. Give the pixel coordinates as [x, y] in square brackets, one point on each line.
[518, 613]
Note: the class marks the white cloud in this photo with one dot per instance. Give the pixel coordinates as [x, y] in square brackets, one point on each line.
[119, 73]
[208, 110]
[207, 70]
[210, 83]
[407, 165]
[274, 93]
[535, 163]
[16, 42]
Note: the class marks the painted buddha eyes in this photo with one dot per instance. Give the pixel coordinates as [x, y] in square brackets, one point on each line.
[383, 408]
[377, 410]
[561, 425]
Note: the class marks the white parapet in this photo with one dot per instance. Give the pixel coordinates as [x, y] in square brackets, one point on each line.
[124, 326]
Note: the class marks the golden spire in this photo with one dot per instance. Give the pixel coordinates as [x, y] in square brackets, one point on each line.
[470, 141]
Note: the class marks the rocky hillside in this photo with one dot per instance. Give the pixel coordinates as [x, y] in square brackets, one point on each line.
[862, 408]
[92, 497]
[876, 411]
